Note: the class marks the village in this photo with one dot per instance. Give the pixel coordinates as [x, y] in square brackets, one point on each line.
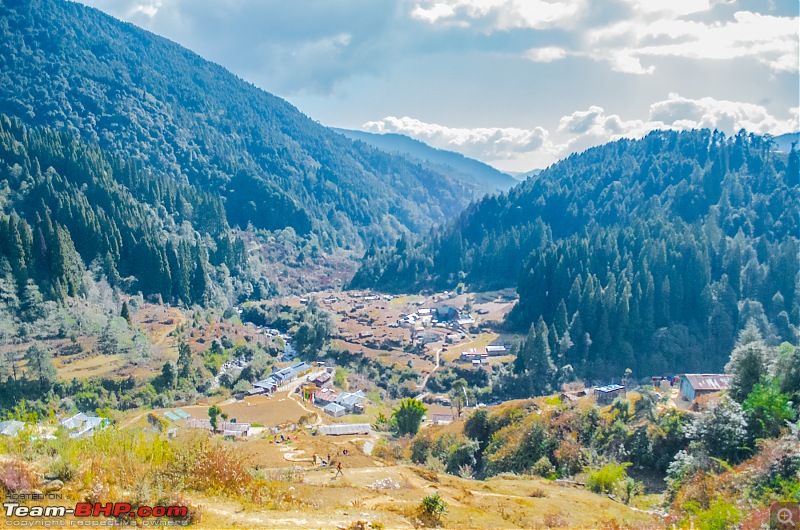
[312, 423]
[422, 332]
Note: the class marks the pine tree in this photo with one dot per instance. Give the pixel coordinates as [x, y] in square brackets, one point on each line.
[184, 360]
[40, 365]
[32, 303]
[748, 362]
[125, 313]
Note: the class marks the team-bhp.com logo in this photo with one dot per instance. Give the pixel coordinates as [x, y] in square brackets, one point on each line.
[96, 509]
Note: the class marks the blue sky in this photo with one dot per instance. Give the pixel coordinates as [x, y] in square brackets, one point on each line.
[515, 83]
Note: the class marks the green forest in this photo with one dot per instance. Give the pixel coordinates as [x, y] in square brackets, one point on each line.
[140, 96]
[67, 206]
[645, 254]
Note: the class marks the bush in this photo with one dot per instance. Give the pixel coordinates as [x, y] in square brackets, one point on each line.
[16, 477]
[607, 478]
[434, 506]
[720, 515]
[389, 451]
[543, 467]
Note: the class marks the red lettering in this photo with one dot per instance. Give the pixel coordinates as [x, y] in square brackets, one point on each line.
[144, 511]
[121, 508]
[159, 511]
[103, 509]
[83, 509]
[177, 511]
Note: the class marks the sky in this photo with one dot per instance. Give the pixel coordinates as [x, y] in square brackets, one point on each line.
[517, 84]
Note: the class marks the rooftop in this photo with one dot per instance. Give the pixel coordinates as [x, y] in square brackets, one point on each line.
[709, 381]
[10, 427]
[345, 429]
[609, 388]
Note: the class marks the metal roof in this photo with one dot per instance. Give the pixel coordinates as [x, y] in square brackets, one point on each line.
[709, 381]
[10, 427]
[609, 388]
[345, 429]
[237, 427]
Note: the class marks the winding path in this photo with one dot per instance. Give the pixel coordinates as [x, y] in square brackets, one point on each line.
[421, 386]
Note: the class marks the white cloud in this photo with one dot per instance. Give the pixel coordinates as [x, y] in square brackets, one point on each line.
[727, 116]
[632, 32]
[487, 143]
[671, 8]
[434, 13]
[149, 8]
[501, 14]
[547, 54]
[592, 127]
[770, 40]
[516, 148]
[623, 61]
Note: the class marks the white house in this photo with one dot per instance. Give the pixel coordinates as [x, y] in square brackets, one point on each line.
[334, 409]
[11, 427]
[82, 424]
[350, 400]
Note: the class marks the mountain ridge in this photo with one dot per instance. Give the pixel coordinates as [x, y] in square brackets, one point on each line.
[487, 178]
[65, 65]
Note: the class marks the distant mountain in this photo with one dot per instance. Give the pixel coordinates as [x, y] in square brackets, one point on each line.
[524, 175]
[649, 254]
[137, 95]
[783, 143]
[470, 171]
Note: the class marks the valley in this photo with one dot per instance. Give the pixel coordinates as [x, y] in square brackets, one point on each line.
[210, 300]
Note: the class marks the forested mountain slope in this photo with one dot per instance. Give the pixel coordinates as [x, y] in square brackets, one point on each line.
[645, 254]
[66, 205]
[74, 68]
[473, 172]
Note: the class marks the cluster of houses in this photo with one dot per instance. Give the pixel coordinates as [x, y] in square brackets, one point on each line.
[478, 358]
[690, 388]
[278, 378]
[446, 317]
[367, 298]
[77, 426]
[230, 429]
[319, 392]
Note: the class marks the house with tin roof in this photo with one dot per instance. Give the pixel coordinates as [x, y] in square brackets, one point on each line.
[11, 427]
[693, 386]
[608, 393]
[83, 424]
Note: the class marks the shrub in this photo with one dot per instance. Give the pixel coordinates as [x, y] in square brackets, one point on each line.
[720, 515]
[16, 477]
[390, 451]
[607, 478]
[543, 467]
[434, 506]
[569, 457]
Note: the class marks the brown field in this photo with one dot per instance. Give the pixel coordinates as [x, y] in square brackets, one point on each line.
[266, 411]
[324, 501]
[92, 366]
